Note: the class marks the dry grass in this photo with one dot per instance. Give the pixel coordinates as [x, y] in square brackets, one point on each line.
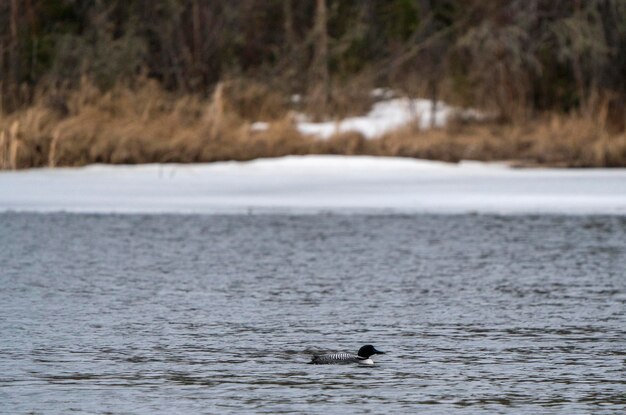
[147, 124]
[560, 141]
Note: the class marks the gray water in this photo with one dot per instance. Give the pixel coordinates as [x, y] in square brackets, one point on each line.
[219, 314]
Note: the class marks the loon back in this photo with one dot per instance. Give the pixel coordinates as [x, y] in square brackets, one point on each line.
[337, 359]
[362, 357]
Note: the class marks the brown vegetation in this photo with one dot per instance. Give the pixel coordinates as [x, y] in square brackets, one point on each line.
[147, 124]
[554, 140]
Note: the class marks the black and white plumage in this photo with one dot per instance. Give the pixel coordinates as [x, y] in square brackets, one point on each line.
[362, 357]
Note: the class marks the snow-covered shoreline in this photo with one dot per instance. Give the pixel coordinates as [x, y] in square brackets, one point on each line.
[314, 184]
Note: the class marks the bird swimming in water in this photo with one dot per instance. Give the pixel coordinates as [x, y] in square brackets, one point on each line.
[362, 357]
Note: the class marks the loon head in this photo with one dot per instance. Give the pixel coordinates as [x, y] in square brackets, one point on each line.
[367, 351]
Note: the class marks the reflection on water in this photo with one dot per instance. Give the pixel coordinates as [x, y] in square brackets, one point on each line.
[218, 314]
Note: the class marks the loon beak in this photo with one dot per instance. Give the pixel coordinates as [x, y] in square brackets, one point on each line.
[378, 352]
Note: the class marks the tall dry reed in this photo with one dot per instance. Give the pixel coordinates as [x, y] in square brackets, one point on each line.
[147, 124]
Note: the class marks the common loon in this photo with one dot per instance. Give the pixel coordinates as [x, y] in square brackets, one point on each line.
[362, 357]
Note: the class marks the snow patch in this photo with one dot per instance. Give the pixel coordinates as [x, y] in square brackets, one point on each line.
[385, 116]
[259, 126]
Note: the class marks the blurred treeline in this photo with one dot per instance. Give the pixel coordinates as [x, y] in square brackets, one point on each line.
[517, 57]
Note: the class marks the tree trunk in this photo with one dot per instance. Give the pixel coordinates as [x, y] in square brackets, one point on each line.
[319, 85]
[290, 37]
[196, 36]
[13, 44]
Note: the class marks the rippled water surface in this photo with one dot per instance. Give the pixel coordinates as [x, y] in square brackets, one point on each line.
[218, 314]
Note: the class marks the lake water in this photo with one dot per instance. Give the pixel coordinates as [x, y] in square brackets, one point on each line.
[219, 314]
